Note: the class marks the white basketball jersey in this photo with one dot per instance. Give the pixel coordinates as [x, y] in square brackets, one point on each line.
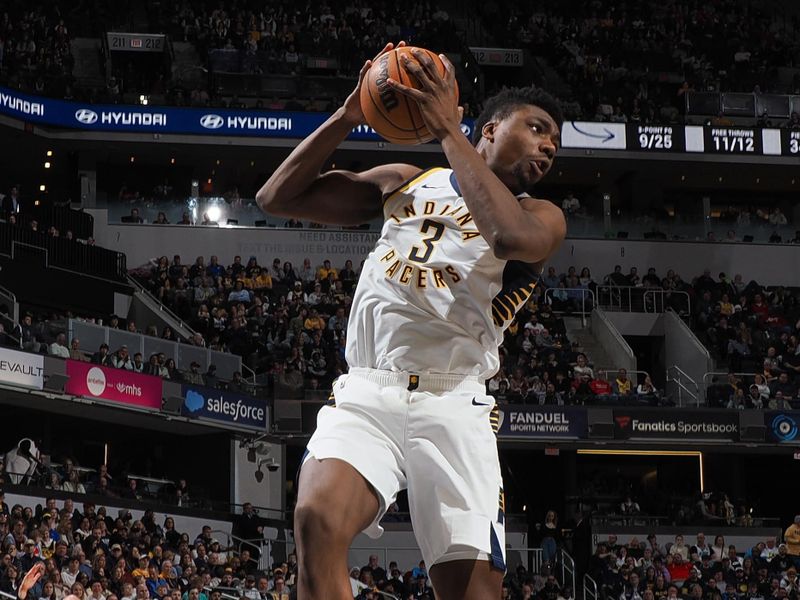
[432, 297]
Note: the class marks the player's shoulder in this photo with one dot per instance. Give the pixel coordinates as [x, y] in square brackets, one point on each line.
[417, 177]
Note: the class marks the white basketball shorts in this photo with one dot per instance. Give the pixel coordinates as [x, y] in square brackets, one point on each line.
[434, 435]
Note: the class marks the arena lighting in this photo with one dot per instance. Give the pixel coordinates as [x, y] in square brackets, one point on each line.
[133, 158]
[214, 213]
[696, 453]
[49, 153]
[47, 164]
[42, 188]
[144, 100]
[172, 161]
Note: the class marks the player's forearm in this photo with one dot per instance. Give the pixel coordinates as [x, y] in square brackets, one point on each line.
[302, 167]
[496, 211]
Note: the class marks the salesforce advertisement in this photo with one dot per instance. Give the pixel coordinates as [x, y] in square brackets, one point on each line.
[166, 119]
[224, 407]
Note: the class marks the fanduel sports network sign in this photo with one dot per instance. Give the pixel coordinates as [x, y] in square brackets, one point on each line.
[224, 407]
[676, 425]
[545, 422]
[117, 385]
[21, 368]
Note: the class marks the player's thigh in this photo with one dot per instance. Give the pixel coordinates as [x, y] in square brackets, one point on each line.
[466, 580]
[334, 501]
[454, 481]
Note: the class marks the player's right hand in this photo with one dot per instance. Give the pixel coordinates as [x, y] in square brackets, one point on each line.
[352, 106]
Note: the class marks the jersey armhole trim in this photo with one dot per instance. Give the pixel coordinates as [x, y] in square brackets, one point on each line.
[410, 182]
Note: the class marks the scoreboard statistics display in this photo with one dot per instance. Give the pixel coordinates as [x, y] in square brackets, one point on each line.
[731, 140]
[655, 138]
[636, 137]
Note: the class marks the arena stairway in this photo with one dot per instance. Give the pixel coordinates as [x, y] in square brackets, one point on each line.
[597, 355]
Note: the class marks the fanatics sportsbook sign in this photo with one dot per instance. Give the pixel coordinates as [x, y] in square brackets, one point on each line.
[666, 424]
[21, 368]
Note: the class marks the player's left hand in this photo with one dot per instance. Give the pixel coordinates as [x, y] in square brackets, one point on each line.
[437, 96]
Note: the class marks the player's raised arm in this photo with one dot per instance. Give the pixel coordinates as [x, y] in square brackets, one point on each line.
[527, 230]
[297, 188]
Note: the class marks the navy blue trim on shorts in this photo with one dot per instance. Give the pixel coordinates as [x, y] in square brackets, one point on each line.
[497, 551]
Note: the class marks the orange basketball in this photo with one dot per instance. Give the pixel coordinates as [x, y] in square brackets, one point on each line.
[392, 115]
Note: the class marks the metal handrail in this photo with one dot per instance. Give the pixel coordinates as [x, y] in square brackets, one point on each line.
[14, 304]
[590, 591]
[725, 374]
[567, 568]
[583, 291]
[161, 306]
[682, 387]
[263, 556]
[222, 594]
[625, 292]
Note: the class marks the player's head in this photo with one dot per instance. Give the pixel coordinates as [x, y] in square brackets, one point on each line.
[518, 133]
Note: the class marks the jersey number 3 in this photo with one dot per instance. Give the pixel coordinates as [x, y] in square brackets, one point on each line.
[434, 230]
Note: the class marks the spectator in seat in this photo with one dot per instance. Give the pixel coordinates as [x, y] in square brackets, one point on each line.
[122, 359]
[622, 385]
[134, 217]
[75, 352]
[214, 269]
[194, 376]
[646, 388]
[791, 537]
[102, 357]
[678, 547]
[239, 294]
[11, 203]
[236, 384]
[275, 270]
[325, 269]
[138, 363]
[600, 388]
[582, 367]
[73, 484]
[59, 347]
[210, 376]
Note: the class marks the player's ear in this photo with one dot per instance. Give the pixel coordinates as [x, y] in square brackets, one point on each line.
[488, 130]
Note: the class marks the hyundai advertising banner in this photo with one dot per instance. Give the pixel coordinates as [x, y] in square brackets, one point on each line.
[224, 407]
[117, 385]
[166, 119]
[676, 425]
[21, 368]
[542, 422]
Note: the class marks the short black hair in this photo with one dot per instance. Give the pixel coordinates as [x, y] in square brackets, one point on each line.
[507, 100]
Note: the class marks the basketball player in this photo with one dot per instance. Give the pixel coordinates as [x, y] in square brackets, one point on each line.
[460, 251]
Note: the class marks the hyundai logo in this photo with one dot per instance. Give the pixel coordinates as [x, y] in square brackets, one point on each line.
[86, 116]
[466, 129]
[212, 121]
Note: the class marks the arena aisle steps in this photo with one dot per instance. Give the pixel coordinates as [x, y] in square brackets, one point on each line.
[595, 352]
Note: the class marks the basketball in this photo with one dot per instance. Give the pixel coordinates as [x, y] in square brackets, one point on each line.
[392, 115]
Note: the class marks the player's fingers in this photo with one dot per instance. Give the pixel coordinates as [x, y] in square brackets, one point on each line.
[405, 90]
[418, 72]
[427, 64]
[449, 69]
[388, 47]
[460, 112]
[364, 69]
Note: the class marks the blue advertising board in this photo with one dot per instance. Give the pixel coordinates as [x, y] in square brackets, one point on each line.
[546, 422]
[173, 120]
[224, 407]
[782, 426]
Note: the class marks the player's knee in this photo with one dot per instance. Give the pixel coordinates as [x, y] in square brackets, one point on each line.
[313, 522]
